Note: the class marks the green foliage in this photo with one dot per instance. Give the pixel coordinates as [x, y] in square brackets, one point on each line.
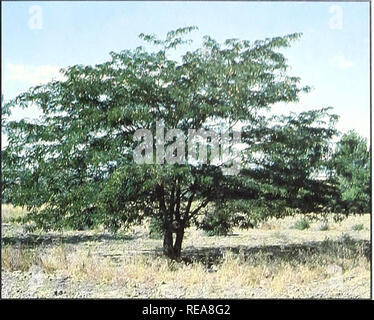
[292, 151]
[216, 223]
[350, 171]
[358, 227]
[74, 167]
[156, 228]
[302, 224]
[324, 226]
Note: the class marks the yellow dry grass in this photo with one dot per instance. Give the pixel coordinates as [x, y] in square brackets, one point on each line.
[337, 266]
[10, 213]
[232, 275]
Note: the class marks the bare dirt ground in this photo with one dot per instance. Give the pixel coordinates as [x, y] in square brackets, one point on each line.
[275, 260]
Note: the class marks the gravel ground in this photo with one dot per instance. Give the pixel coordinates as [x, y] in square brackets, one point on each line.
[36, 284]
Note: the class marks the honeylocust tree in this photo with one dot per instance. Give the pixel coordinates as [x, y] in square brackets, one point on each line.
[100, 153]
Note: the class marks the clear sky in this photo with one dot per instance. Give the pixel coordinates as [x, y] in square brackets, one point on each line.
[332, 56]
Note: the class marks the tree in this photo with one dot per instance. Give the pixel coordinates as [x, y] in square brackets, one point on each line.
[75, 166]
[350, 171]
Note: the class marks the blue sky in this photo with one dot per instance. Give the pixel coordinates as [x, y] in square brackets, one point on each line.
[332, 56]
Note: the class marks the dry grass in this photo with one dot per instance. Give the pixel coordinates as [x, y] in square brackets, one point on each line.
[17, 258]
[337, 266]
[233, 276]
[10, 213]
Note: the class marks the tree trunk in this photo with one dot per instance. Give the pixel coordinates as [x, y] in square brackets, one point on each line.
[173, 250]
[178, 241]
[168, 243]
[172, 222]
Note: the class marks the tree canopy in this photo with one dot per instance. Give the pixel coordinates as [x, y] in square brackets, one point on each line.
[350, 171]
[74, 167]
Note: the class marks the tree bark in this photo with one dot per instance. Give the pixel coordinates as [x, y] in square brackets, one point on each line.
[168, 247]
[172, 221]
[178, 241]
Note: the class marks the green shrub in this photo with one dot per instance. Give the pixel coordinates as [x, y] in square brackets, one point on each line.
[358, 227]
[216, 223]
[302, 224]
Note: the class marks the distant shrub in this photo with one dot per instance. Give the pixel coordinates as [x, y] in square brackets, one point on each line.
[358, 227]
[351, 244]
[302, 224]
[324, 226]
[216, 223]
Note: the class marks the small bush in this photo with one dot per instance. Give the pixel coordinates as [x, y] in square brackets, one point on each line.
[302, 224]
[216, 223]
[358, 227]
[324, 226]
